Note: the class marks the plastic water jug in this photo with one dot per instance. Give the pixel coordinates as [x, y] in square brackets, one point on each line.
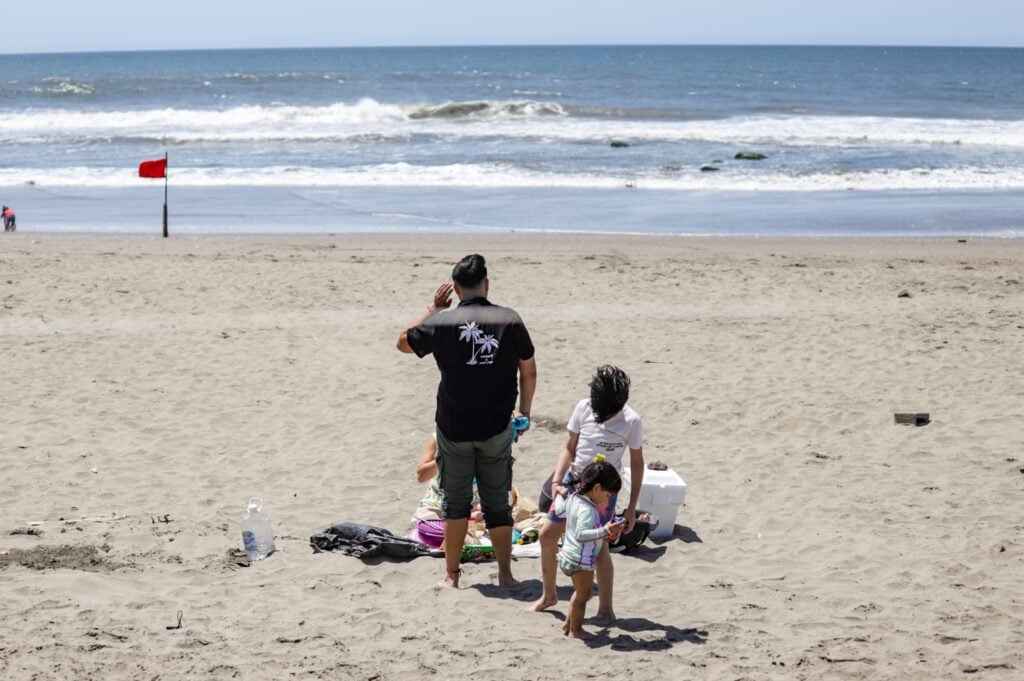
[257, 535]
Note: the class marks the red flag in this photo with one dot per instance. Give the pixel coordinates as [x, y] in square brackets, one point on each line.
[156, 168]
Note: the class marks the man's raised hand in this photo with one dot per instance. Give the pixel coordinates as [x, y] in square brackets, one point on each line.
[443, 296]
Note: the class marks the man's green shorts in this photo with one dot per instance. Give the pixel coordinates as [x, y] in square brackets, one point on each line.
[489, 462]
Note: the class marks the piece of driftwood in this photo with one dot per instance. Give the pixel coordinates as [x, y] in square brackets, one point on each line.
[912, 418]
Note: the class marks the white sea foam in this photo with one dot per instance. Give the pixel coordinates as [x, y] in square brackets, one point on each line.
[514, 119]
[283, 122]
[504, 176]
[63, 86]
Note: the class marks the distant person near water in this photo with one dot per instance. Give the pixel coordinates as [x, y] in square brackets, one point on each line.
[486, 359]
[9, 224]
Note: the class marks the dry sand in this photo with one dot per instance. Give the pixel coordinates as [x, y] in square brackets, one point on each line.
[151, 386]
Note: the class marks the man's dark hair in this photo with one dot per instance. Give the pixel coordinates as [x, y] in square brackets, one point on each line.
[470, 272]
[609, 392]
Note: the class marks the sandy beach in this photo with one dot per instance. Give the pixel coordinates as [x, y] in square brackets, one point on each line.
[150, 387]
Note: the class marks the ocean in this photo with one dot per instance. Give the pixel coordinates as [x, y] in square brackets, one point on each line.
[633, 139]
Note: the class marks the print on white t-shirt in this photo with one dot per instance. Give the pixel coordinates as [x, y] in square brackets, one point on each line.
[611, 438]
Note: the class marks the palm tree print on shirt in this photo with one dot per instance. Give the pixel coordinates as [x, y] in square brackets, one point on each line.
[484, 344]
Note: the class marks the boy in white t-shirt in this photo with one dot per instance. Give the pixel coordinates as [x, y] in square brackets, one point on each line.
[603, 425]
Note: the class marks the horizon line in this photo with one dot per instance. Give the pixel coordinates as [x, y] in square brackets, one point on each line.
[504, 45]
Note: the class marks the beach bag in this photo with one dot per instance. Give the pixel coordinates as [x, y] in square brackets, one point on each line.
[638, 535]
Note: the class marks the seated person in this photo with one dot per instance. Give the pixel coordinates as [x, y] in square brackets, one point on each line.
[430, 506]
[433, 499]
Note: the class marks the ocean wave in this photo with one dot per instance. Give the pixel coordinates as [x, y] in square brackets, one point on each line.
[241, 136]
[631, 114]
[511, 119]
[537, 93]
[283, 122]
[483, 109]
[509, 176]
[60, 86]
[260, 77]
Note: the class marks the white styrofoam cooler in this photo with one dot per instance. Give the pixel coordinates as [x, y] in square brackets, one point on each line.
[662, 493]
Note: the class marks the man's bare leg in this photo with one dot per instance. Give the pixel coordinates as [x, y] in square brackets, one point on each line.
[550, 531]
[454, 540]
[501, 539]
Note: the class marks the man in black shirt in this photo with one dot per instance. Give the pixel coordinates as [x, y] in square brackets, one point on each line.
[485, 356]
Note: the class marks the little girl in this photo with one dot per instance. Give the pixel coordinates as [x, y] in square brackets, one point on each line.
[584, 538]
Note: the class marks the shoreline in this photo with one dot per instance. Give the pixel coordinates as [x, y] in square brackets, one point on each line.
[518, 233]
[412, 210]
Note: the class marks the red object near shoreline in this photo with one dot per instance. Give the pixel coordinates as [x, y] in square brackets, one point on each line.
[156, 168]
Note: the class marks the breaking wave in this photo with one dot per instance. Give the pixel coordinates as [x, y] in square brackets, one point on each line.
[513, 120]
[486, 109]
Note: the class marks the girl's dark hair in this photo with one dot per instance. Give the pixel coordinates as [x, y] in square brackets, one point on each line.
[609, 391]
[599, 472]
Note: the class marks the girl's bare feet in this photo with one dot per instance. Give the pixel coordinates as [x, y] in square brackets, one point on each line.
[604, 619]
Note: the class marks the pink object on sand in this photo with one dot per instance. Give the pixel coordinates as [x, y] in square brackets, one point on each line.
[431, 532]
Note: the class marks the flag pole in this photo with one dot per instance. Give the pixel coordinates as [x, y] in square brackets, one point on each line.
[165, 194]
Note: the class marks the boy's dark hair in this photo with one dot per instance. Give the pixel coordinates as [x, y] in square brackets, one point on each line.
[599, 472]
[470, 272]
[609, 392]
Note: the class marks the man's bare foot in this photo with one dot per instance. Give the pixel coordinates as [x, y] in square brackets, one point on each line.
[582, 635]
[604, 619]
[505, 579]
[543, 604]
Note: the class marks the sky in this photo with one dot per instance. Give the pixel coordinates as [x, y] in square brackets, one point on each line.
[99, 25]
